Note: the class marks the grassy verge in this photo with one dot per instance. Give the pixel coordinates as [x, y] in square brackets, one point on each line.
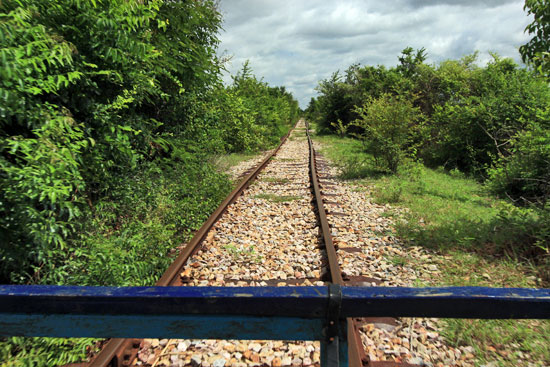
[128, 241]
[224, 162]
[478, 244]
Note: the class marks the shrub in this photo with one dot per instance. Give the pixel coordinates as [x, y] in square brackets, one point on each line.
[84, 87]
[389, 124]
[524, 176]
[353, 167]
[525, 231]
[390, 194]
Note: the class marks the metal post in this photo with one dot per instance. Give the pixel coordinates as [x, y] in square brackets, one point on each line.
[334, 346]
[335, 353]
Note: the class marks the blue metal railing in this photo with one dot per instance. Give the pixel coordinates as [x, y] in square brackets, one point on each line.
[283, 313]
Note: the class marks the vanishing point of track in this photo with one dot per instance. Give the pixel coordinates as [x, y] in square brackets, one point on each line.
[289, 199]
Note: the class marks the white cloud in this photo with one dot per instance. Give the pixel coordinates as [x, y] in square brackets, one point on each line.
[298, 43]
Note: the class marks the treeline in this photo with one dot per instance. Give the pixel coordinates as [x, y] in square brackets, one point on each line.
[109, 111]
[490, 122]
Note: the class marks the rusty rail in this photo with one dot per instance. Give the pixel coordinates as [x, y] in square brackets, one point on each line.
[349, 302]
[121, 352]
[356, 353]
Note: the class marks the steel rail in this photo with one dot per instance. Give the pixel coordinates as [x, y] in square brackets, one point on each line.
[119, 352]
[355, 352]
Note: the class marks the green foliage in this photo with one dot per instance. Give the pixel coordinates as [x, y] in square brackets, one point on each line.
[263, 113]
[486, 242]
[512, 342]
[133, 230]
[110, 112]
[537, 50]
[530, 228]
[339, 127]
[490, 123]
[389, 195]
[486, 122]
[43, 352]
[85, 86]
[476, 127]
[242, 253]
[447, 210]
[389, 123]
[246, 116]
[352, 160]
[93, 93]
[223, 162]
[40, 185]
[335, 103]
[409, 63]
[339, 95]
[353, 167]
[524, 176]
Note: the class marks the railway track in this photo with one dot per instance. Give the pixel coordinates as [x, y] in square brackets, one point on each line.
[273, 229]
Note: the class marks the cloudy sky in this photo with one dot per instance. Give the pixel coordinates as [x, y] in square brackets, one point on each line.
[297, 43]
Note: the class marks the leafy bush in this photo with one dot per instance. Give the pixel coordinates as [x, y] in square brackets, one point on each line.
[390, 194]
[262, 114]
[84, 86]
[353, 167]
[524, 176]
[133, 231]
[475, 127]
[94, 91]
[525, 231]
[43, 352]
[537, 50]
[389, 123]
[339, 95]
[489, 122]
[110, 112]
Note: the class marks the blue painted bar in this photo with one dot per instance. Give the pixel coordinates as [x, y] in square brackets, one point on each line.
[301, 302]
[309, 302]
[449, 302]
[291, 313]
[161, 326]
[276, 313]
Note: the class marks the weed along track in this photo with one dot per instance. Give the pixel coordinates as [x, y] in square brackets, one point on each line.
[285, 225]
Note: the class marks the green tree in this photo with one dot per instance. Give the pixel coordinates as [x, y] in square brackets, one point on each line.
[389, 124]
[89, 89]
[537, 50]
[524, 175]
[484, 109]
[409, 62]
